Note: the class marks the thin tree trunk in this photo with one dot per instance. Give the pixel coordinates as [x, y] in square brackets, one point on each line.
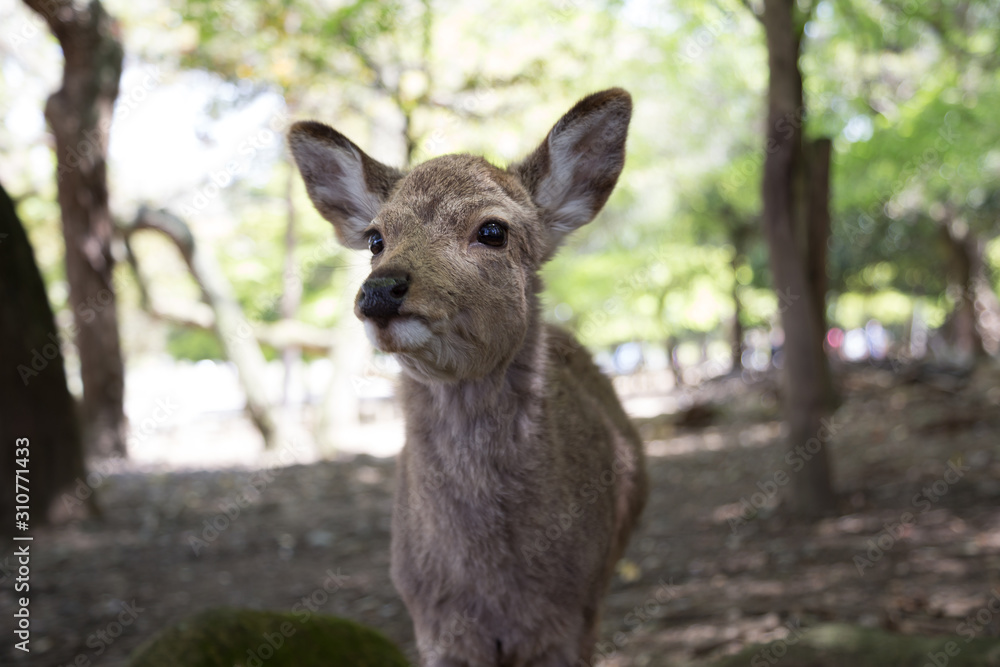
[351, 357]
[80, 116]
[737, 331]
[987, 305]
[291, 295]
[738, 235]
[35, 402]
[670, 347]
[965, 268]
[234, 331]
[790, 223]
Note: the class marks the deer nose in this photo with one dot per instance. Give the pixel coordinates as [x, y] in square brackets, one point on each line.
[381, 297]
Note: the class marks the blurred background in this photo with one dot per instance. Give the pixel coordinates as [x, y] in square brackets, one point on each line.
[804, 247]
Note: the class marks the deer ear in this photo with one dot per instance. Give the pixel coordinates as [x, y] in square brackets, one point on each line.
[571, 175]
[346, 186]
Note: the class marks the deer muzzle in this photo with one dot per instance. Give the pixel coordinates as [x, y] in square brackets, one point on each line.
[382, 296]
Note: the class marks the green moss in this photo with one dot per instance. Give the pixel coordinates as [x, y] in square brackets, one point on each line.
[246, 638]
[836, 645]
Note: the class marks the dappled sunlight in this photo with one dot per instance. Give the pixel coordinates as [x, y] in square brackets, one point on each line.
[227, 230]
[742, 577]
[750, 437]
[711, 577]
[190, 416]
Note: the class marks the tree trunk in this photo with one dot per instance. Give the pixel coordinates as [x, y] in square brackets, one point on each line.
[739, 239]
[80, 116]
[35, 401]
[817, 229]
[351, 356]
[987, 304]
[235, 333]
[794, 219]
[737, 331]
[966, 266]
[291, 294]
[670, 346]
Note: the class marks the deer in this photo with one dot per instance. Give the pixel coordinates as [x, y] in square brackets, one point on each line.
[521, 477]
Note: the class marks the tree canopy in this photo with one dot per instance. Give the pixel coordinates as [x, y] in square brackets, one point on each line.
[906, 91]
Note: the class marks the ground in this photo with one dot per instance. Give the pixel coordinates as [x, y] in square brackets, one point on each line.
[915, 550]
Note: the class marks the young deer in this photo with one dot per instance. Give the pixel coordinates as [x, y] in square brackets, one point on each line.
[521, 477]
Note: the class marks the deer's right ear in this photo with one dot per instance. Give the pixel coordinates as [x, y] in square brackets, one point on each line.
[346, 186]
[571, 175]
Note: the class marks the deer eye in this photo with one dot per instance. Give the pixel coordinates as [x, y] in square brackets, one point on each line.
[493, 233]
[375, 243]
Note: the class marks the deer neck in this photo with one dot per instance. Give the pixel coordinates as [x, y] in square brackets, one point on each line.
[485, 422]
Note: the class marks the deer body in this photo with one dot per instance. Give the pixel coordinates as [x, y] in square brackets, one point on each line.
[521, 476]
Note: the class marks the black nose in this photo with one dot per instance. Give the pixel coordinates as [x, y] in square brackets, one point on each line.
[381, 297]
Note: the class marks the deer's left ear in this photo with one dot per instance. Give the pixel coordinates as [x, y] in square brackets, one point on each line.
[346, 186]
[572, 173]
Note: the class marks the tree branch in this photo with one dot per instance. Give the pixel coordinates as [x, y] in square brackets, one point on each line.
[376, 71]
[231, 325]
[279, 335]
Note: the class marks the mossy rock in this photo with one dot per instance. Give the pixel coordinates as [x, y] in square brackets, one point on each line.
[248, 638]
[837, 645]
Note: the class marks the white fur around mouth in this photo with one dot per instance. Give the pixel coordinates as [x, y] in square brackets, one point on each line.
[401, 334]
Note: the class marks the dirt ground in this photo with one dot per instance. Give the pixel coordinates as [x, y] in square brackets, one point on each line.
[915, 551]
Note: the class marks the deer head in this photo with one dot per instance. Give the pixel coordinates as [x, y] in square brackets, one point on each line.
[457, 242]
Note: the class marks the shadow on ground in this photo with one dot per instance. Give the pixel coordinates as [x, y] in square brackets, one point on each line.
[703, 579]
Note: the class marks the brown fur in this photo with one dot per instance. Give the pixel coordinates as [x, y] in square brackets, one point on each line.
[521, 477]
